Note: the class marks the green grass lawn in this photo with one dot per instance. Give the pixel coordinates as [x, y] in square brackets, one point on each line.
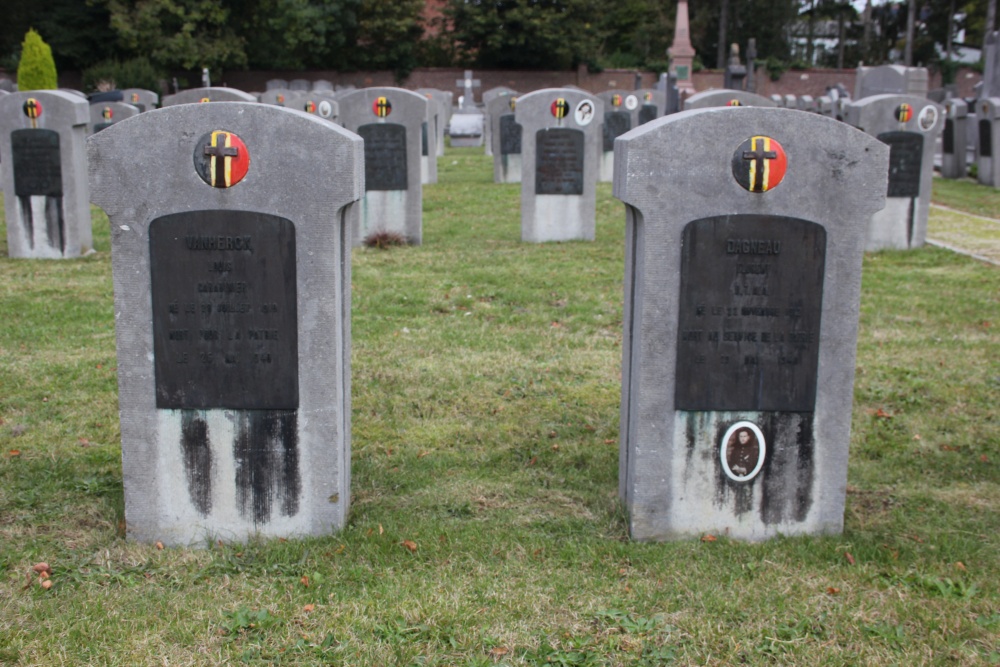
[486, 387]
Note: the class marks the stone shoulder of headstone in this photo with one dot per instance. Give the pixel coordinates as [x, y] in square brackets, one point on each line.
[277, 96]
[880, 113]
[296, 177]
[676, 175]
[299, 84]
[726, 98]
[276, 84]
[497, 92]
[108, 113]
[106, 96]
[74, 92]
[145, 100]
[210, 94]
[496, 107]
[322, 85]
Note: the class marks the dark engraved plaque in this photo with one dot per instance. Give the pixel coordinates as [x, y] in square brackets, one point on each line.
[906, 151]
[37, 169]
[225, 327]
[750, 306]
[647, 112]
[101, 126]
[559, 162]
[985, 138]
[510, 135]
[385, 156]
[616, 123]
[423, 139]
[948, 137]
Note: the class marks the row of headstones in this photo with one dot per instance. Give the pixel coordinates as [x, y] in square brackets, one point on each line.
[231, 231]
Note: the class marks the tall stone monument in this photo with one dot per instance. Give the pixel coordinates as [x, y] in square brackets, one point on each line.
[681, 52]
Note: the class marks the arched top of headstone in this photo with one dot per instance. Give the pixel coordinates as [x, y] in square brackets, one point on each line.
[895, 113]
[146, 100]
[382, 104]
[58, 108]
[726, 98]
[210, 94]
[560, 107]
[274, 84]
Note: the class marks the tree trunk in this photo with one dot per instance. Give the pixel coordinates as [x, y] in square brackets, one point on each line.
[991, 20]
[812, 29]
[840, 40]
[910, 16]
[723, 20]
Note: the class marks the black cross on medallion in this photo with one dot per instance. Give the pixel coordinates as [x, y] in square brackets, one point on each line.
[31, 108]
[221, 151]
[759, 155]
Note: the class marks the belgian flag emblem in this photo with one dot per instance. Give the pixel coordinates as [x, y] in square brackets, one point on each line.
[280, 99]
[759, 164]
[309, 107]
[204, 99]
[382, 107]
[32, 108]
[734, 103]
[647, 97]
[513, 103]
[221, 159]
[560, 108]
[107, 113]
[135, 98]
[904, 112]
[616, 100]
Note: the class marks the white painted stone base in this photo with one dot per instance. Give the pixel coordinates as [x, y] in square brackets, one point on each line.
[889, 228]
[557, 218]
[510, 168]
[39, 245]
[382, 211]
[607, 172]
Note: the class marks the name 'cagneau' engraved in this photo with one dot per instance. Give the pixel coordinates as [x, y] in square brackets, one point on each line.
[753, 246]
[218, 243]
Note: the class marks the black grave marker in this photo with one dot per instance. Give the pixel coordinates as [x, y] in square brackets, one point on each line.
[385, 156]
[751, 299]
[906, 150]
[647, 112]
[559, 162]
[616, 123]
[985, 138]
[423, 139]
[510, 135]
[37, 170]
[225, 327]
[948, 138]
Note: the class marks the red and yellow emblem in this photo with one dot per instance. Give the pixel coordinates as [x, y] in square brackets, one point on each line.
[560, 107]
[647, 97]
[221, 159]
[309, 107]
[107, 113]
[204, 99]
[280, 99]
[904, 112]
[616, 100]
[759, 164]
[135, 98]
[734, 103]
[32, 108]
[382, 107]
[513, 103]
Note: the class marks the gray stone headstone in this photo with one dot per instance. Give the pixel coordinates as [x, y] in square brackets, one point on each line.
[560, 155]
[890, 79]
[442, 103]
[910, 126]
[323, 85]
[141, 99]
[824, 106]
[735, 74]
[791, 102]
[990, 85]
[322, 103]
[806, 103]
[390, 121]
[232, 318]
[466, 128]
[779, 100]
[428, 143]
[506, 136]
[280, 97]
[619, 118]
[652, 105]
[44, 174]
[489, 96]
[744, 241]
[103, 116]
[218, 94]
[299, 84]
[468, 86]
[726, 98]
[276, 84]
[988, 147]
[953, 139]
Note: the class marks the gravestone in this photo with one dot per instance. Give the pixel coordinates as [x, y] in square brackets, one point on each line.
[44, 173]
[990, 85]
[726, 98]
[890, 79]
[489, 96]
[322, 103]
[652, 105]
[428, 143]
[667, 85]
[736, 73]
[210, 94]
[442, 104]
[389, 120]
[560, 153]
[468, 85]
[806, 103]
[323, 85]
[751, 82]
[824, 106]
[231, 268]
[141, 99]
[279, 97]
[910, 126]
[791, 102]
[302, 85]
[506, 134]
[103, 116]
[276, 84]
[105, 96]
[618, 119]
[465, 129]
[988, 149]
[953, 139]
[779, 100]
[744, 242]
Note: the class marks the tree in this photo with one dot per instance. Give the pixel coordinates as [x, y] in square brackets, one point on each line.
[297, 34]
[388, 35]
[185, 34]
[37, 69]
[765, 20]
[78, 32]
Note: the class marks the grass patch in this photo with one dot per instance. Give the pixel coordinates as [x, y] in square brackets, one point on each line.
[967, 195]
[486, 380]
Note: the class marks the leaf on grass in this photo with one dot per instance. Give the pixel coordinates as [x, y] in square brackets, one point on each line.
[340, 549]
[498, 651]
[304, 581]
[609, 441]
[534, 459]
[42, 567]
[159, 546]
[949, 448]
[960, 565]
[849, 557]
[882, 414]
[916, 436]
[14, 452]
[308, 608]
[984, 459]
[411, 545]
[422, 454]
[831, 590]
[47, 584]
[709, 538]
[380, 531]
[555, 447]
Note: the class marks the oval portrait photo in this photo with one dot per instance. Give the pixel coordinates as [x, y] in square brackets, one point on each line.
[742, 451]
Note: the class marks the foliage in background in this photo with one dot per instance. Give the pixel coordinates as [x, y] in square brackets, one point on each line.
[297, 34]
[134, 73]
[387, 36]
[766, 21]
[37, 70]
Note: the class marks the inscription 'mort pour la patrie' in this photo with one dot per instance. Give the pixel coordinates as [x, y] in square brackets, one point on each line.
[750, 307]
[225, 332]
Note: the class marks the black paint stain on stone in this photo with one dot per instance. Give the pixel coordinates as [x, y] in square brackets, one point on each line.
[267, 463]
[788, 469]
[197, 450]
